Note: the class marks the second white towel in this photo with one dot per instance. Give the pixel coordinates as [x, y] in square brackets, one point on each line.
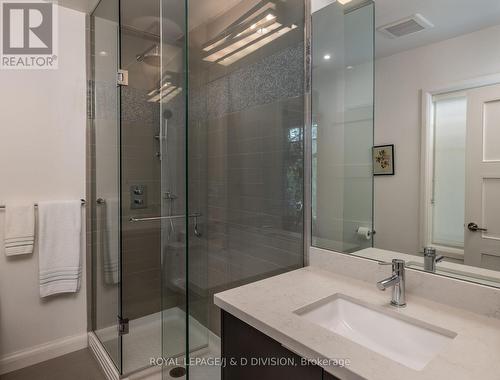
[19, 229]
[60, 264]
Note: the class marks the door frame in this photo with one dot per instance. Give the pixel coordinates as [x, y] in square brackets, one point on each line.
[427, 157]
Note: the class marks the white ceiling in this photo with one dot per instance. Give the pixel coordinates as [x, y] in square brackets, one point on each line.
[451, 18]
[349, 43]
[201, 11]
[85, 6]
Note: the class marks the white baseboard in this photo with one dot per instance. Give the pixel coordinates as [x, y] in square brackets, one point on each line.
[102, 357]
[42, 352]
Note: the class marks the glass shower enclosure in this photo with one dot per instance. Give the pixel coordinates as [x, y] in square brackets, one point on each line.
[342, 124]
[197, 168]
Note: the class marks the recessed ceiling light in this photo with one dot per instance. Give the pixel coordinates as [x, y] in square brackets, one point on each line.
[327, 57]
[349, 67]
[103, 53]
[344, 2]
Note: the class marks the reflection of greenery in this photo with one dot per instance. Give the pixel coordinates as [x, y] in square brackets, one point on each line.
[314, 168]
[294, 188]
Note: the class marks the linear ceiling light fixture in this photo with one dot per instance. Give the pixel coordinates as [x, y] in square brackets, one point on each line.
[257, 28]
[255, 12]
[164, 93]
[255, 46]
[256, 33]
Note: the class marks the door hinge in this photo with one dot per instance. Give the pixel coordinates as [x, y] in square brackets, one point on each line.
[122, 326]
[122, 77]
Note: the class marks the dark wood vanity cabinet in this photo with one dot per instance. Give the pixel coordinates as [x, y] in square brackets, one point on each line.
[327, 376]
[242, 344]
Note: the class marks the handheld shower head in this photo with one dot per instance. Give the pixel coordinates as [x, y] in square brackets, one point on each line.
[167, 114]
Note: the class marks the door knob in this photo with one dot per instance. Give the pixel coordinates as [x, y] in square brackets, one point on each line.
[474, 227]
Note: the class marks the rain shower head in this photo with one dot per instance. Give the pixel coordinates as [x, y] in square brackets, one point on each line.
[151, 56]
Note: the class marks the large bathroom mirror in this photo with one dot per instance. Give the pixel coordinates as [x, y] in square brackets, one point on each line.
[414, 170]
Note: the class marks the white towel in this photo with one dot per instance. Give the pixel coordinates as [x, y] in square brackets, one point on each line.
[19, 229]
[109, 228]
[59, 234]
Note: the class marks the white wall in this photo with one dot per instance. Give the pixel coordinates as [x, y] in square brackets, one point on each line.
[399, 79]
[317, 5]
[42, 157]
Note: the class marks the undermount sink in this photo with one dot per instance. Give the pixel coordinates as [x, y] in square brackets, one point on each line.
[408, 341]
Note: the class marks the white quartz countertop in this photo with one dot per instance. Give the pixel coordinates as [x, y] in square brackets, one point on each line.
[269, 306]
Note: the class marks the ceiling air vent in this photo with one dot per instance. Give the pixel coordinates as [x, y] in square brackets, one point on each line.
[405, 27]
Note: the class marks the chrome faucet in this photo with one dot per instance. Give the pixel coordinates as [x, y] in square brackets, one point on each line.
[430, 259]
[397, 281]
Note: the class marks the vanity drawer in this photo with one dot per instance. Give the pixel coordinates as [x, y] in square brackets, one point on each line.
[241, 342]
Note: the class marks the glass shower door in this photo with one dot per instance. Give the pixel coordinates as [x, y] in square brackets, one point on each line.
[139, 181]
[139, 184]
[182, 245]
[105, 174]
[171, 90]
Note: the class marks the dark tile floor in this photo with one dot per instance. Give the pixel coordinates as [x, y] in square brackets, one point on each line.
[78, 365]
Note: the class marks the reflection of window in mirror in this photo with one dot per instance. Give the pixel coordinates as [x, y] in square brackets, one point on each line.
[460, 174]
[447, 201]
[314, 167]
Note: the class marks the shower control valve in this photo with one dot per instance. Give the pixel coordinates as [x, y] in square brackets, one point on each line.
[138, 197]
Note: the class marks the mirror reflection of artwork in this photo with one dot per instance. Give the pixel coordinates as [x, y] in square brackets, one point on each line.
[383, 160]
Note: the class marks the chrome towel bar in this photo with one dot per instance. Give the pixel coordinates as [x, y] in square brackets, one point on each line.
[36, 204]
[135, 220]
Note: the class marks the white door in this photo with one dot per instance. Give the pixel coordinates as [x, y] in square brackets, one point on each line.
[482, 194]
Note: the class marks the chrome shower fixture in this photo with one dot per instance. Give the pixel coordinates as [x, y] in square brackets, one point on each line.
[151, 56]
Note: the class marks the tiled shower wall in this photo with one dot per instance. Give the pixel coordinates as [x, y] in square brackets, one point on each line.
[140, 165]
[246, 164]
[141, 277]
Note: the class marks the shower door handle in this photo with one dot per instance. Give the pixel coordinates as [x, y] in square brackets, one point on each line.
[155, 218]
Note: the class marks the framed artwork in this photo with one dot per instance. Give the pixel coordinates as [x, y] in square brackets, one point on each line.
[383, 160]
